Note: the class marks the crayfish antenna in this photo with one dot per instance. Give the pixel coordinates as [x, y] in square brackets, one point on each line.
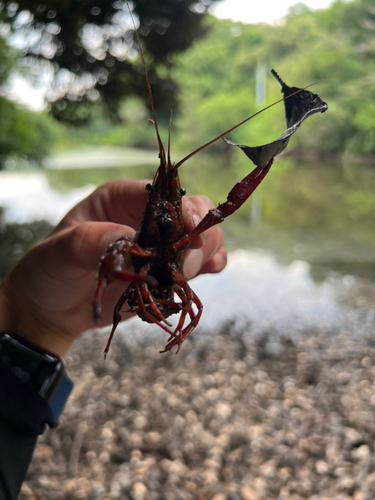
[169, 140]
[161, 147]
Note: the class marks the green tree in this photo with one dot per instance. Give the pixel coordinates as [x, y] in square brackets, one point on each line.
[91, 48]
[335, 45]
[23, 134]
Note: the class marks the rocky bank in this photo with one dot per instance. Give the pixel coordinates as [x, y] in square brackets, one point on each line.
[234, 416]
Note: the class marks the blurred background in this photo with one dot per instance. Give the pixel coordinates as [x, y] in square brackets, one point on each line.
[74, 108]
[298, 297]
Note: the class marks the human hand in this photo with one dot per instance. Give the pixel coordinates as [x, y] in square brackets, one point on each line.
[49, 294]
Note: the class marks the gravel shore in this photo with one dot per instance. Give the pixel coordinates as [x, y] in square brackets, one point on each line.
[232, 417]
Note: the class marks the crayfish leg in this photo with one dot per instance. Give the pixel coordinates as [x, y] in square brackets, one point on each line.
[116, 318]
[152, 304]
[112, 267]
[188, 298]
[141, 310]
[134, 291]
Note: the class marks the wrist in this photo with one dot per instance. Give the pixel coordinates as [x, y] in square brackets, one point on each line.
[17, 315]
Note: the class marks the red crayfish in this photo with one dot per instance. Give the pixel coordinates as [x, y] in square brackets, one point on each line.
[160, 243]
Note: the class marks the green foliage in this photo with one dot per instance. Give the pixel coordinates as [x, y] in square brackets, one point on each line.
[7, 59]
[217, 78]
[217, 82]
[24, 134]
[135, 131]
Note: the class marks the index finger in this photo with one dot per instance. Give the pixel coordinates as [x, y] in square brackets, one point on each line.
[121, 201]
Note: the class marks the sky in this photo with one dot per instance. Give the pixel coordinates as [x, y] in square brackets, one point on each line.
[256, 11]
[22, 92]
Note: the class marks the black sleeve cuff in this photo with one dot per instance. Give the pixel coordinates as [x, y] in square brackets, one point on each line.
[23, 415]
[23, 406]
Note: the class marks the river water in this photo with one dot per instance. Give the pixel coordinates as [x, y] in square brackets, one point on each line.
[302, 251]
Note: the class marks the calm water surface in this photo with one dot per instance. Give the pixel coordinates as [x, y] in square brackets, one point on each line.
[311, 220]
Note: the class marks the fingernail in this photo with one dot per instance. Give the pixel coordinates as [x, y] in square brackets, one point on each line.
[196, 219]
[111, 237]
[193, 263]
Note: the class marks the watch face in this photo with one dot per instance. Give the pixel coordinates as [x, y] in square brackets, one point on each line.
[39, 369]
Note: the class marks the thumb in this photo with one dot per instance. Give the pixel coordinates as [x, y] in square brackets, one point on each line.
[83, 246]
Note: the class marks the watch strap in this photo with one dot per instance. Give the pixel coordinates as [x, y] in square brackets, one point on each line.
[59, 398]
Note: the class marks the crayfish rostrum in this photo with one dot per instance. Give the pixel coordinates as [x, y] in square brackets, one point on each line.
[160, 243]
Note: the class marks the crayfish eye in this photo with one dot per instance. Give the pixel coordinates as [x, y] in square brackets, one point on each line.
[182, 192]
[148, 187]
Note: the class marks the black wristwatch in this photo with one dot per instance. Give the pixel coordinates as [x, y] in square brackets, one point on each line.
[34, 386]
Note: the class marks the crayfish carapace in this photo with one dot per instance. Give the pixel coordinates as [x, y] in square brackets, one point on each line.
[160, 243]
